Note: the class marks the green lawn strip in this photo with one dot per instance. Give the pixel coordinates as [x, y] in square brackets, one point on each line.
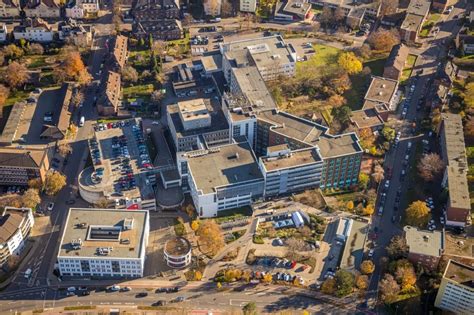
[142, 91]
[410, 63]
[232, 214]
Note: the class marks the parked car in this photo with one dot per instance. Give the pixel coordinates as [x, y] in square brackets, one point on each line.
[50, 206]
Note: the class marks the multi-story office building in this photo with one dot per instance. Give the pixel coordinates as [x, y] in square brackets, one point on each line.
[104, 243]
[270, 55]
[221, 178]
[287, 171]
[15, 227]
[453, 153]
[18, 166]
[456, 291]
[197, 124]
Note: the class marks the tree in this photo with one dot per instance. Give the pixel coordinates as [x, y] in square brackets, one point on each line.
[35, 183]
[367, 138]
[30, 198]
[350, 205]
[342, 114]
[344, 282]
[336, 82]
[388, 133]
[469, 95]
[72, 67]
[77, 98]
[226, 8]
[388, 7]
[250, 308]
[369, 209]
[384, 40]
[378, 174]
[327, 16]
[64, 149]
[339, 15]
[328, 286]
[195, 225]
[102, 203]
[210, 237]
[336, 101]
[4, 93]
[16, 75]
[54, 182]
[363, 181]
[417, 214]
[157, 96]
[36, 49]
[389, 288]
[367, 267]
[349, 62]
[213, 7]
[430, 166]
[10, 200]
[2, 58]
[406, 276]
[397, 248]
[267, 278]
[13, 52]
[362, 282]
[197, 275]
[129, 74]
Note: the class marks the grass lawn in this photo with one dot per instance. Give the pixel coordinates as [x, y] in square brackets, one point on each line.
[182, 41]
[406, 73]
[37, 62]
[232, 214]
[140, 90]
[376, 65]
[428, 25]
[327, 115]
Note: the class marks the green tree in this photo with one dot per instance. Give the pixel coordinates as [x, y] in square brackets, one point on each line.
[250, 308]
[344, 283]
[388, 133]
[417, 214]
[342, 114]
[363, 181]
[349, 62]
[328, 286]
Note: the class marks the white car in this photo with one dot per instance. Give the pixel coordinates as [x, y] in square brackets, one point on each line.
[371, 252]
[155, 123]
[441, 220]
[50, 206]
[387, 183]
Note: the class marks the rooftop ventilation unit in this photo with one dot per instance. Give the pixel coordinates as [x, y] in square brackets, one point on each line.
[128, 224]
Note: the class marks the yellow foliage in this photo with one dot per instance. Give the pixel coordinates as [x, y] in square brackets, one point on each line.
[367, 267]
[195, 225]
[350, 205]
[349, 62]
[369, 210]
[328, 286]
[362, 282]
[267, 278]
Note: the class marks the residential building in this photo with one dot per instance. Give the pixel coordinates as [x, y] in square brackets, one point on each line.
[34, 30]
[453, 153]
[197, 124]
[15, 227]
[221, 178]
[156, 10]
[177, 252]
[355, 11]
[42, 9]
[90, 7]
[127, 187]
[58, 129]
[341, 154]
[441, 5]
[293, 10]
[104, 243]
[287, 171]
[118, 53]
[212, 8]
[10, 133]
[395, 63]
[3, 34]
[9, 8]
[465, 42]
[381, 91]
[248, 6]
[79, 9]
[417, 12]
[424, 247]
[79, 35]
[165, 29]
[109, 100]
[270, 55]
[393, 20]
[18, 166]
[456, 291]
[187, 80]
[160, 18]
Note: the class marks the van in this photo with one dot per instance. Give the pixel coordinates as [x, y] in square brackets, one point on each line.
[82, 121]
[28, 273]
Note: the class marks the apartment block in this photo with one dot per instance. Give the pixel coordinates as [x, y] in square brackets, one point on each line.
[456, 291]
[18, 166]
[453, 153]
[424, 247]
[248, 6]
[221, 178]
[104, 243]
[15, 227]
[9, 8]
[35, 30]
[42, 9]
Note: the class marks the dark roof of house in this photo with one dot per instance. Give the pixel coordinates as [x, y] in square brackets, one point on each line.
[397, 57]
[24, 158]
[162, 4]
[65, 114]
[468, 39]
[119, 49]
[32, 4]
[111, 89]
[11, 3]
[10, 222]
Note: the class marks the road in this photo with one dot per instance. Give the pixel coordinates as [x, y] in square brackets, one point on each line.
[429, 57]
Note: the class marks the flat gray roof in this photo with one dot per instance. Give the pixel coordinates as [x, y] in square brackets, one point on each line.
[412, 22]
[459, 273]
[419, 7]
[430, 243]
[253, 88]
[296, 158]
[227, 165]
[11, 127]
[381, 90]
[78, 225]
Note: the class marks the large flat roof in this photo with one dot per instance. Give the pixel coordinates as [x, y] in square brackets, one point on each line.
[296, 158]
[312, 134]
[253, 88]
[366, 118]
[11, 127]
[227, 165]
[381, 90]
[263, 51]
[460, 273]
[430, 243]
[81, 222]
[457, 166]
[419, 7]
[412, 22]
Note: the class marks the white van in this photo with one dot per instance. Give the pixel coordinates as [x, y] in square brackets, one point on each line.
[82, 121]
[28, 273]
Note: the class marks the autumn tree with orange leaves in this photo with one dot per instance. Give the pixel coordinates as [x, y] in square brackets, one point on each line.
[72, 68]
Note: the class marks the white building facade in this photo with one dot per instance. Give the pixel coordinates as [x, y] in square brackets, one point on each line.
[248, 6]
[17, 224]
